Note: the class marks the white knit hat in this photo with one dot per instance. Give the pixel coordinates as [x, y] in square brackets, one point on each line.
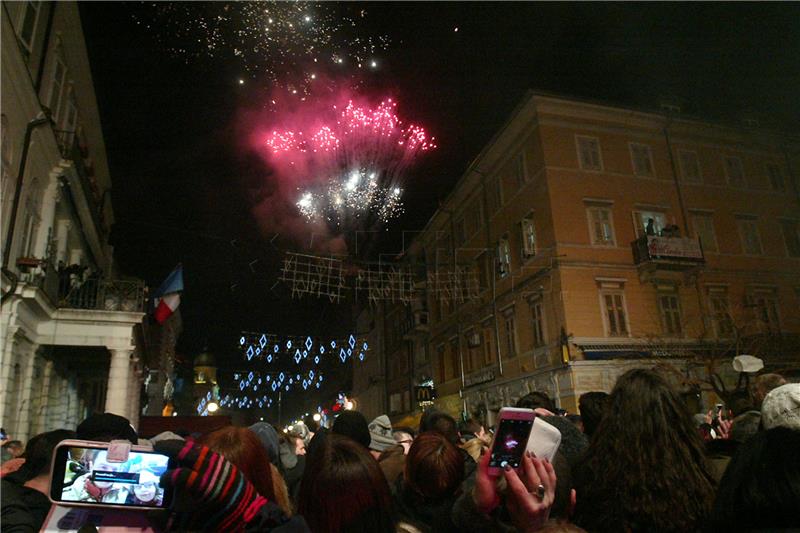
[747, 364]
[781, 407]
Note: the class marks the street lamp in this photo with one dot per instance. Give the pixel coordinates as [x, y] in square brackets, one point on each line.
[317, 417]
[213, 407]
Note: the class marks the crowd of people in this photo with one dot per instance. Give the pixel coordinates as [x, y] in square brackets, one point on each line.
[634, 460]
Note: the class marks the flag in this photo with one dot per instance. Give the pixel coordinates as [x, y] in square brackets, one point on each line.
[168, 296]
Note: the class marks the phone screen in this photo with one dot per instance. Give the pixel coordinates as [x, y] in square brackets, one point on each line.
[510, 442]
[85, 475]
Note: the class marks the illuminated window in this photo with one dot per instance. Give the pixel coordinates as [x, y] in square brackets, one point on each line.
[642, 157]
[510, 333]
[528, 237]
[601, 225]
[589, 153]
[642, 222]
[503, 257]
[537, 314]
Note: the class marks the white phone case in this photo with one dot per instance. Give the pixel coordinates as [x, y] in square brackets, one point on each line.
[544, 440]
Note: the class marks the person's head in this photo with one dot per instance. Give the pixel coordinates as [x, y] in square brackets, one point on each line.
[39, 452]
[299, 445]
[100, 463]
[781, 407]
[403, 438]
[13, 448]
[441, 423]
[147, 488]
[760, 489]
[592, 406]
[646, 467]
[475, 448]
[269, 439]
[745, 426]
[352, 424]
[472, 428]
[380, 432]
[343, 489]
[434, 466]
[106, 427]
[535, 399]
[764, 384]
[241, 447]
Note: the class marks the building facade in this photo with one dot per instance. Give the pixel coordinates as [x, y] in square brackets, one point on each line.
[69, 345]
[586, 239]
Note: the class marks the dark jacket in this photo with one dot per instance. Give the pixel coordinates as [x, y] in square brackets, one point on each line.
[23, 508]
[393, 464]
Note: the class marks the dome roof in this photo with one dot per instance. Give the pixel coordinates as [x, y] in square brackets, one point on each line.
[205, 359]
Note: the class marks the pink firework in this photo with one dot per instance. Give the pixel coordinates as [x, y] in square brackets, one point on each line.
[352, 158]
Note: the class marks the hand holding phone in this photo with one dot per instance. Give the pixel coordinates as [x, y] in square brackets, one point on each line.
[510, 439]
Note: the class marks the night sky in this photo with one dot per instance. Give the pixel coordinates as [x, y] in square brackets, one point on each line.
[184, 188]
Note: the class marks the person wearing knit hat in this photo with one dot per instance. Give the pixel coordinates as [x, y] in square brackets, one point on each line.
[381, 437]
[106, 427]
[269, 440]
[781, 407]
[352, 424]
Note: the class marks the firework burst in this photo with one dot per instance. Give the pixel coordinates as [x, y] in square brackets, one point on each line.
[355, 159]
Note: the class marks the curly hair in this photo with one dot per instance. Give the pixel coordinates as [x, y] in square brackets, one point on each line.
[645, 469]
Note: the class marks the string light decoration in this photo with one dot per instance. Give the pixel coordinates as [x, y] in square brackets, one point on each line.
[297, 363]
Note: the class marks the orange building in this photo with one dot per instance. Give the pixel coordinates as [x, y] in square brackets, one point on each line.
[587, 238]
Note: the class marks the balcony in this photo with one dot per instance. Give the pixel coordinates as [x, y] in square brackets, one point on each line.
[667, 253]
[73, 150]
[102, 294]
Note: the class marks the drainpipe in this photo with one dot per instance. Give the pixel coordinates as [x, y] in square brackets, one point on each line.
[42, 119]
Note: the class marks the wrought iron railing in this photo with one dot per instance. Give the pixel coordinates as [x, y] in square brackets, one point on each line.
[102, 294]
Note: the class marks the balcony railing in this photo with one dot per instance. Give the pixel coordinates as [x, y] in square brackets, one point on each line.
[667, 251]
[101, 294]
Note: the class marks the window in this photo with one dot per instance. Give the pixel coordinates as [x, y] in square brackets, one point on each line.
[748, 232]
[395, 402]
[719, 306]
[511, 333]
[703, 227]
[775, 177]
[642, 157]
[520, 170]
[455, 367]
[471, 349]
[440, 353]
[765, 303]
[460, 232]
[615, 315]
[791, 236]
[601, 226]
[690, 166]
[71, 116]
[649, 222]
[537, 313]
[589, 153]
[528, 237]
[473, 218]
[494, 195]
[488, 353]
[503, 257]
[734, 171]
[669, 308]
[30, 16]
[57, 88]
[482, 269]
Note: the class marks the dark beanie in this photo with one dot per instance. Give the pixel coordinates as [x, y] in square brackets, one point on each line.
[269, 439]
[107, 427]
[353, 424]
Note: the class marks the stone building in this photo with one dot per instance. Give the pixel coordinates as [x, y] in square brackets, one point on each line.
[588, 238]
[68, 318]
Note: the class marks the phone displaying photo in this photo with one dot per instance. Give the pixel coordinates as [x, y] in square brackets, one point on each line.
[83, 474]
[510, 439]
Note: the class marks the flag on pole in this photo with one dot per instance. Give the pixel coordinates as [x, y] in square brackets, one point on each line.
[168, 296]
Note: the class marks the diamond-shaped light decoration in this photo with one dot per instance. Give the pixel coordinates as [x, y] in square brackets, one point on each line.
[361, 356]
[250, 376]
[309, 343]
[342, 355]
[351, 341]
[249, 352]
[281, 376]
[241, 341]
[258, 351]
[274, 386]
[297, 356]
[365, 347]
[317, 385]
[333, 344]
[316, 359]
[305, 384]
[289, 345]
[305, 354]
[269, 358]
[311, 374]
[276, 348]
[241, 385]
[263, 340]
[321, 349]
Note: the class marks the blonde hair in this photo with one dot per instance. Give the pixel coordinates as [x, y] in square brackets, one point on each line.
[475, 448]
[281, 491]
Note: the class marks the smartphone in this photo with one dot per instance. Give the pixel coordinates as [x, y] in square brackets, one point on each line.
[544, 440]
[510, 439]
[83, 475]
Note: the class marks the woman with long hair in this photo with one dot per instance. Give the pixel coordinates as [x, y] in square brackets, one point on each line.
[241, 447]
[645, 469]
[343, 488]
